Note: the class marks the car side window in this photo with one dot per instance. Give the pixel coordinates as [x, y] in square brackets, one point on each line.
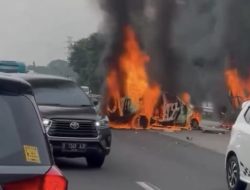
[247, 115]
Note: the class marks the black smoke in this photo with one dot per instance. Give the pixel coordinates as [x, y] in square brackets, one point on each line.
[119, 14]
[237, 37]
[152, 21]
[187, 40]
[199, 29]
[164, 66]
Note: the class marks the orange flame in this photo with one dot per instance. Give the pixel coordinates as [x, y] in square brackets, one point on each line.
[186, 98]
[129, 79]
[239, 88]
[196, 114]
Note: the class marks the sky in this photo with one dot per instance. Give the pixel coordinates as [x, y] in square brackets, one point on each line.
[38, 30]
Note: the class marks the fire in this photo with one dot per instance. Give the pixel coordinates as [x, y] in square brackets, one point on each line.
[132, 101]
[129, 92]
[186, 98]
[194, 112]
[196, 115]
[239, 88]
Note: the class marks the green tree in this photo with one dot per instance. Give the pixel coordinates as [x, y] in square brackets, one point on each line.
[56, 67]
[61, 68]
[84, 58]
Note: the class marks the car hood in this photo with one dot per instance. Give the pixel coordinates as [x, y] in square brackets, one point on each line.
[59, 112]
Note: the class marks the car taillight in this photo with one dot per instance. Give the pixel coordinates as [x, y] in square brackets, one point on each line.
[32, 184]
[52, 180]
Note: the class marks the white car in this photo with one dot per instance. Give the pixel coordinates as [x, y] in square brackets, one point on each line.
[238, 153]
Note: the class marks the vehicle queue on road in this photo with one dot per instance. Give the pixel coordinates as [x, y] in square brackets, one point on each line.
[45, 117]
[62, 122]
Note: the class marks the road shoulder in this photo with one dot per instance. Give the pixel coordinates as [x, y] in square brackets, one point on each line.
[214, 142]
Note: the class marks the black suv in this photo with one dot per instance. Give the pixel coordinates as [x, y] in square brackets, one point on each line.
[25, 159]
[72, 124]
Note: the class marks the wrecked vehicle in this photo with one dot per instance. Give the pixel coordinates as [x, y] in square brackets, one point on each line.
[170, 110]
[178, 111]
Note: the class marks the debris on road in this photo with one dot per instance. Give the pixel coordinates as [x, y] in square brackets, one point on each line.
[189, 138]
[212, 127]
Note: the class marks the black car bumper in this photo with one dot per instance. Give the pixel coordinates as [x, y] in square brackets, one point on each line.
[100, 145]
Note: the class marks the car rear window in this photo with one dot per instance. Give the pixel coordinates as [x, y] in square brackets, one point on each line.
[21, 137]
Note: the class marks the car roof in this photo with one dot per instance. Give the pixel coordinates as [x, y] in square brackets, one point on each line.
[30, 77]
[36, 80]
[14, 85]
[246, 103]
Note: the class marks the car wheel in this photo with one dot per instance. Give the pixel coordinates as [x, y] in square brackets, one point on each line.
[95, 161]
[195, 124]
[143, 122]
[233, 175]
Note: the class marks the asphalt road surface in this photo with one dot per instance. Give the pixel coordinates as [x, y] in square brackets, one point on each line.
[149, 161]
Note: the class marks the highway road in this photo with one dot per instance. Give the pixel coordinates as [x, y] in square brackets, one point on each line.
[150, 161]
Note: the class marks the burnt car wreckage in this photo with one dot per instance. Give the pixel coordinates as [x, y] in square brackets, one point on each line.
[169, 111]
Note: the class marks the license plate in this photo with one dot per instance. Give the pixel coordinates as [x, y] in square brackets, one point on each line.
[73, 147]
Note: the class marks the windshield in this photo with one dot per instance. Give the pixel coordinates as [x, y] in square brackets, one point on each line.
[21, 139]
[60, 94]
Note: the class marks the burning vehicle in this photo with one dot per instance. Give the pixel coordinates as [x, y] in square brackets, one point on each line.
[176, 111]
[169, 111]
[129, 92]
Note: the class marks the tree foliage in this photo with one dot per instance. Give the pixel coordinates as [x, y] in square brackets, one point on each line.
[84, 58]
[56, 67]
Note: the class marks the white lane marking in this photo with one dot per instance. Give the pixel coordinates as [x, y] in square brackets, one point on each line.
[147, 186]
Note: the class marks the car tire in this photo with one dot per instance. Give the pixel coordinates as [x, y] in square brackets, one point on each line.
[95, 161]
[233, 175]
[143, 122]
[195, 124]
